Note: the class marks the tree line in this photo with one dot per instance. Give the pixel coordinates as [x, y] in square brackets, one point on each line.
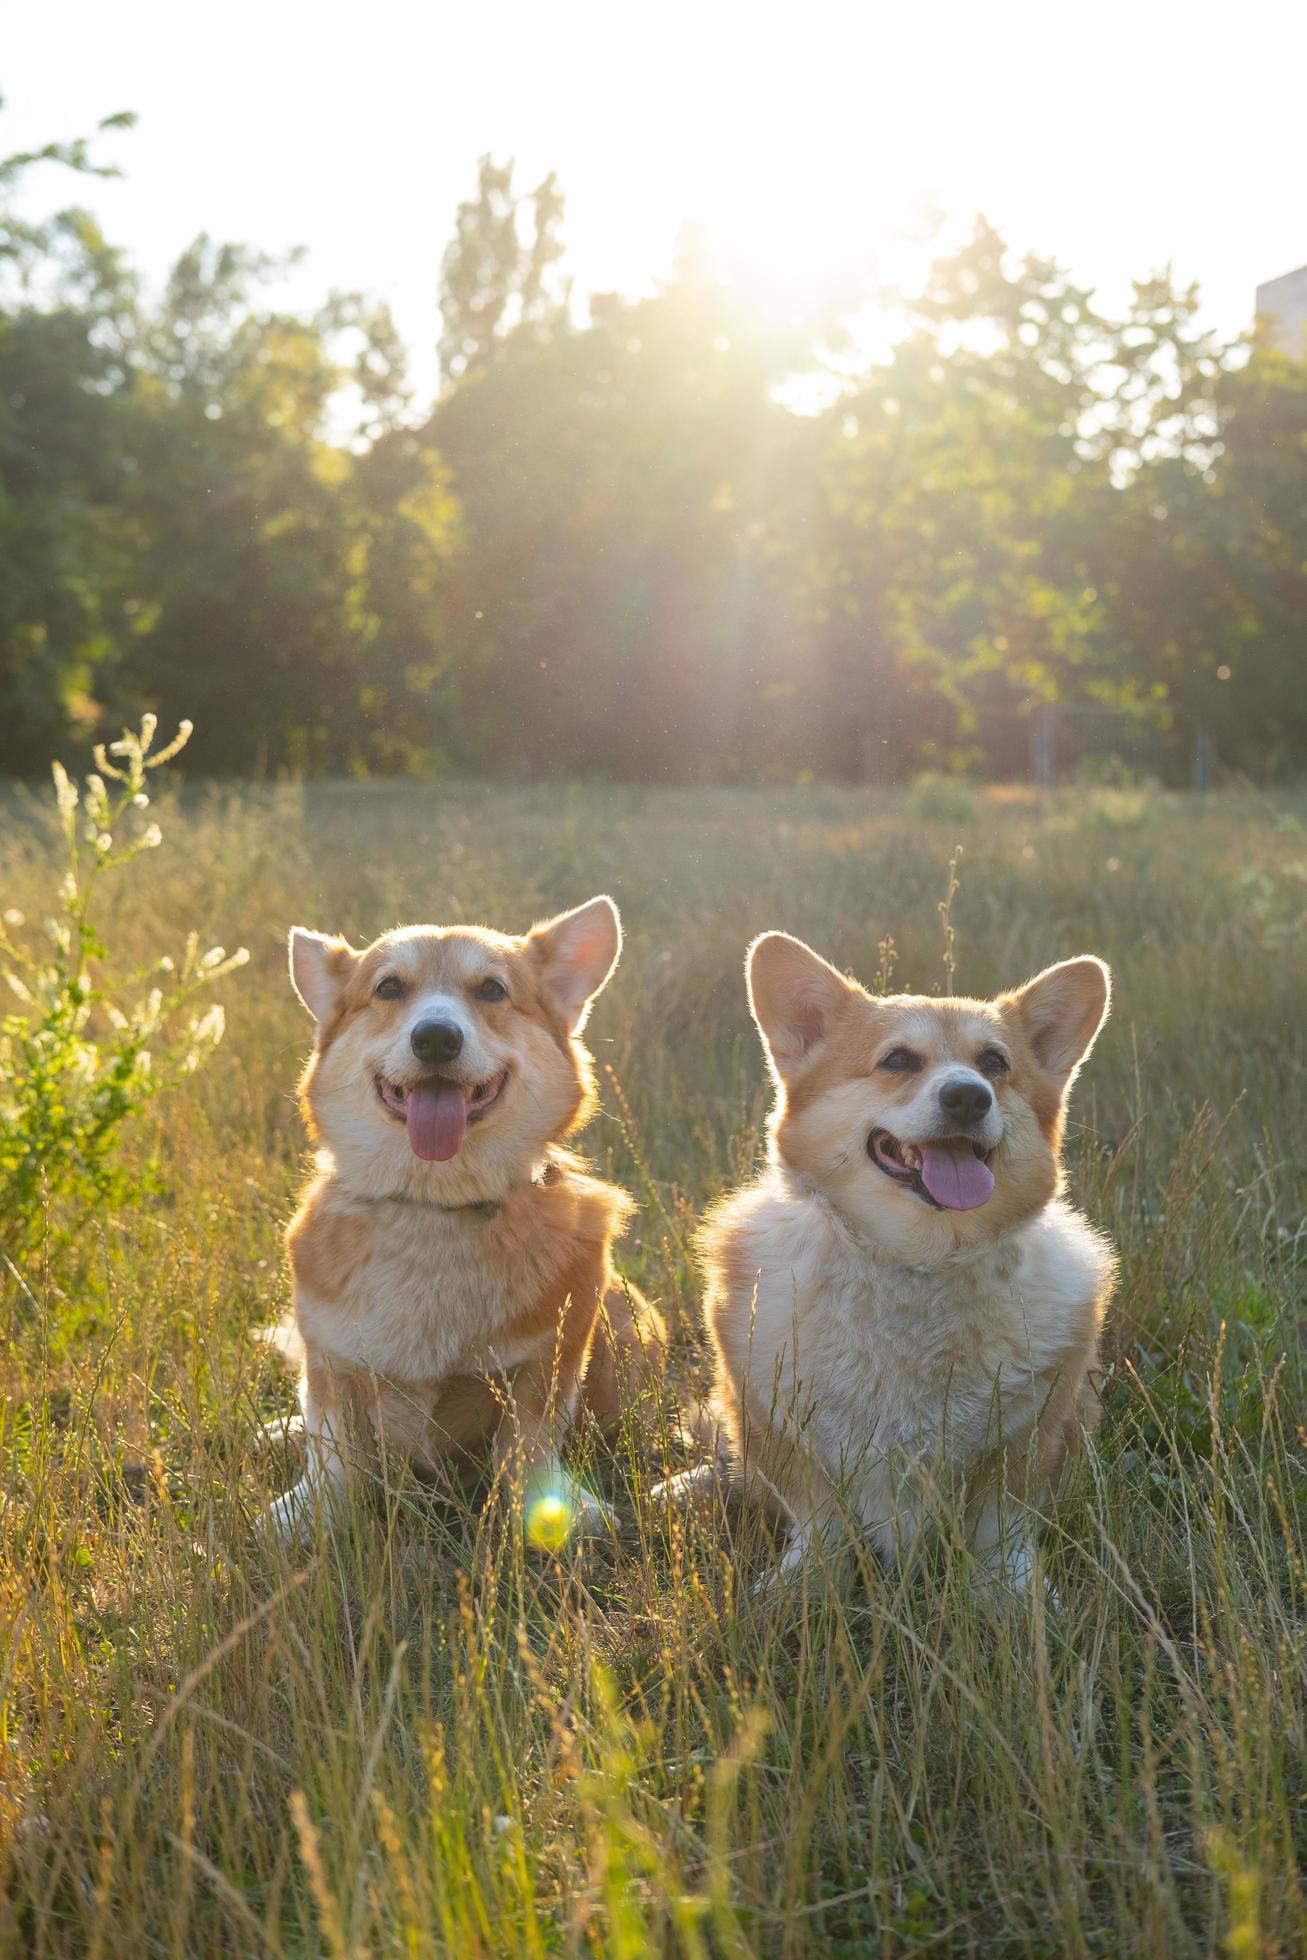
[623, 541]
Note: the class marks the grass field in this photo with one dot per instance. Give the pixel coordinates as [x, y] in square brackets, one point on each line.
[420, 1740]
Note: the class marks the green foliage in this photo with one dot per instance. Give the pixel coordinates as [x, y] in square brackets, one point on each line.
[603, 563]
[93, 1041]
[282, 588]
[671, 538]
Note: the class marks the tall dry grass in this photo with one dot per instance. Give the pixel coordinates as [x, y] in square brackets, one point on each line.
[419, 1739]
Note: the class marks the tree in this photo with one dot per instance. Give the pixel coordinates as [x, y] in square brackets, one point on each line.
[499, 273]
[610, 476]
[283, 589]
[1208, 579]
[59, 382]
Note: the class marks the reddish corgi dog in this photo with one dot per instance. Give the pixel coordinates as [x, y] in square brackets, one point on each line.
[453, 1280]
[903, 1301]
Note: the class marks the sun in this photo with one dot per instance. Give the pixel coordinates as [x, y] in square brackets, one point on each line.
[777, 236]
[811, 240]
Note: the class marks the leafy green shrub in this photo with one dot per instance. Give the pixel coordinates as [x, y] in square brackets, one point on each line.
[89, 1046]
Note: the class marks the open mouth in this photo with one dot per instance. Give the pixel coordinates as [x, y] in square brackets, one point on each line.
[950, 1173]
[436, 1111]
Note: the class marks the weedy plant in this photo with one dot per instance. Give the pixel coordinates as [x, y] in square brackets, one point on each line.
[93, 1039]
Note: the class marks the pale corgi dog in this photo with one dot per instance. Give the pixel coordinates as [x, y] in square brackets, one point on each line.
[453, 1279]
[903, 1304]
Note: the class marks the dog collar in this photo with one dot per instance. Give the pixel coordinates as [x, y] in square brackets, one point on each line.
[481, 1207]
[487, 1207]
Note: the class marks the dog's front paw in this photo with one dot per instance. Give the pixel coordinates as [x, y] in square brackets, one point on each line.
[594, 1518]
[1007, 1569]
[283, 1432]
[288, 1521]
[702, 1485]
[777, 1578]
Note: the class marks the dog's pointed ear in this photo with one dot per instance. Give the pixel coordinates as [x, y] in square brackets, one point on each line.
[576, 953]
[320, 965]
[1061, 1012]
[795, 997]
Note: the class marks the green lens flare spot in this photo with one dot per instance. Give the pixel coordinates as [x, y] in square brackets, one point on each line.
[548, 1521]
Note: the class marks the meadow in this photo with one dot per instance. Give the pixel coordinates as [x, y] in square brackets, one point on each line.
[421, 1738]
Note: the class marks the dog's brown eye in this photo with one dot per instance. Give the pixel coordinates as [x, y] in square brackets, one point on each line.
[992, 1061]
[389, 987]
[900, 1061]
[492, 989]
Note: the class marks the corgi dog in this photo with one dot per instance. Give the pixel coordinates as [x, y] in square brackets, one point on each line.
[903, 1302]
[452, 1262]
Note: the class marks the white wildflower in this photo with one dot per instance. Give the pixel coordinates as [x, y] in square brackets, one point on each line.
[85, 1062]
[13, 917]
[65, 788]
[211, 1026]
[179, 741]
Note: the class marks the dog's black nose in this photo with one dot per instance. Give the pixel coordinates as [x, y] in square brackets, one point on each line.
[436, 1041]
[963, 1099]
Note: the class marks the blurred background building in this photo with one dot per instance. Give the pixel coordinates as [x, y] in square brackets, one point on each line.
[1283, 302]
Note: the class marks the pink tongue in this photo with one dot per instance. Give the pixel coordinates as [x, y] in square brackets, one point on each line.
[954, 1176]
[437, 1118]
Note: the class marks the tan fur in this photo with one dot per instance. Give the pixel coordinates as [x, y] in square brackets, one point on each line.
[873, 1352]
[443, 1305]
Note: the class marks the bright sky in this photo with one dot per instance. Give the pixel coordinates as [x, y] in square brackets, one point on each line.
[1115, 136]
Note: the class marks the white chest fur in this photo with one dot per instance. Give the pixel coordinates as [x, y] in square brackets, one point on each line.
[879, 1365]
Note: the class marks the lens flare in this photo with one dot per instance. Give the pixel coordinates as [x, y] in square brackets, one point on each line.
[549, 1519]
